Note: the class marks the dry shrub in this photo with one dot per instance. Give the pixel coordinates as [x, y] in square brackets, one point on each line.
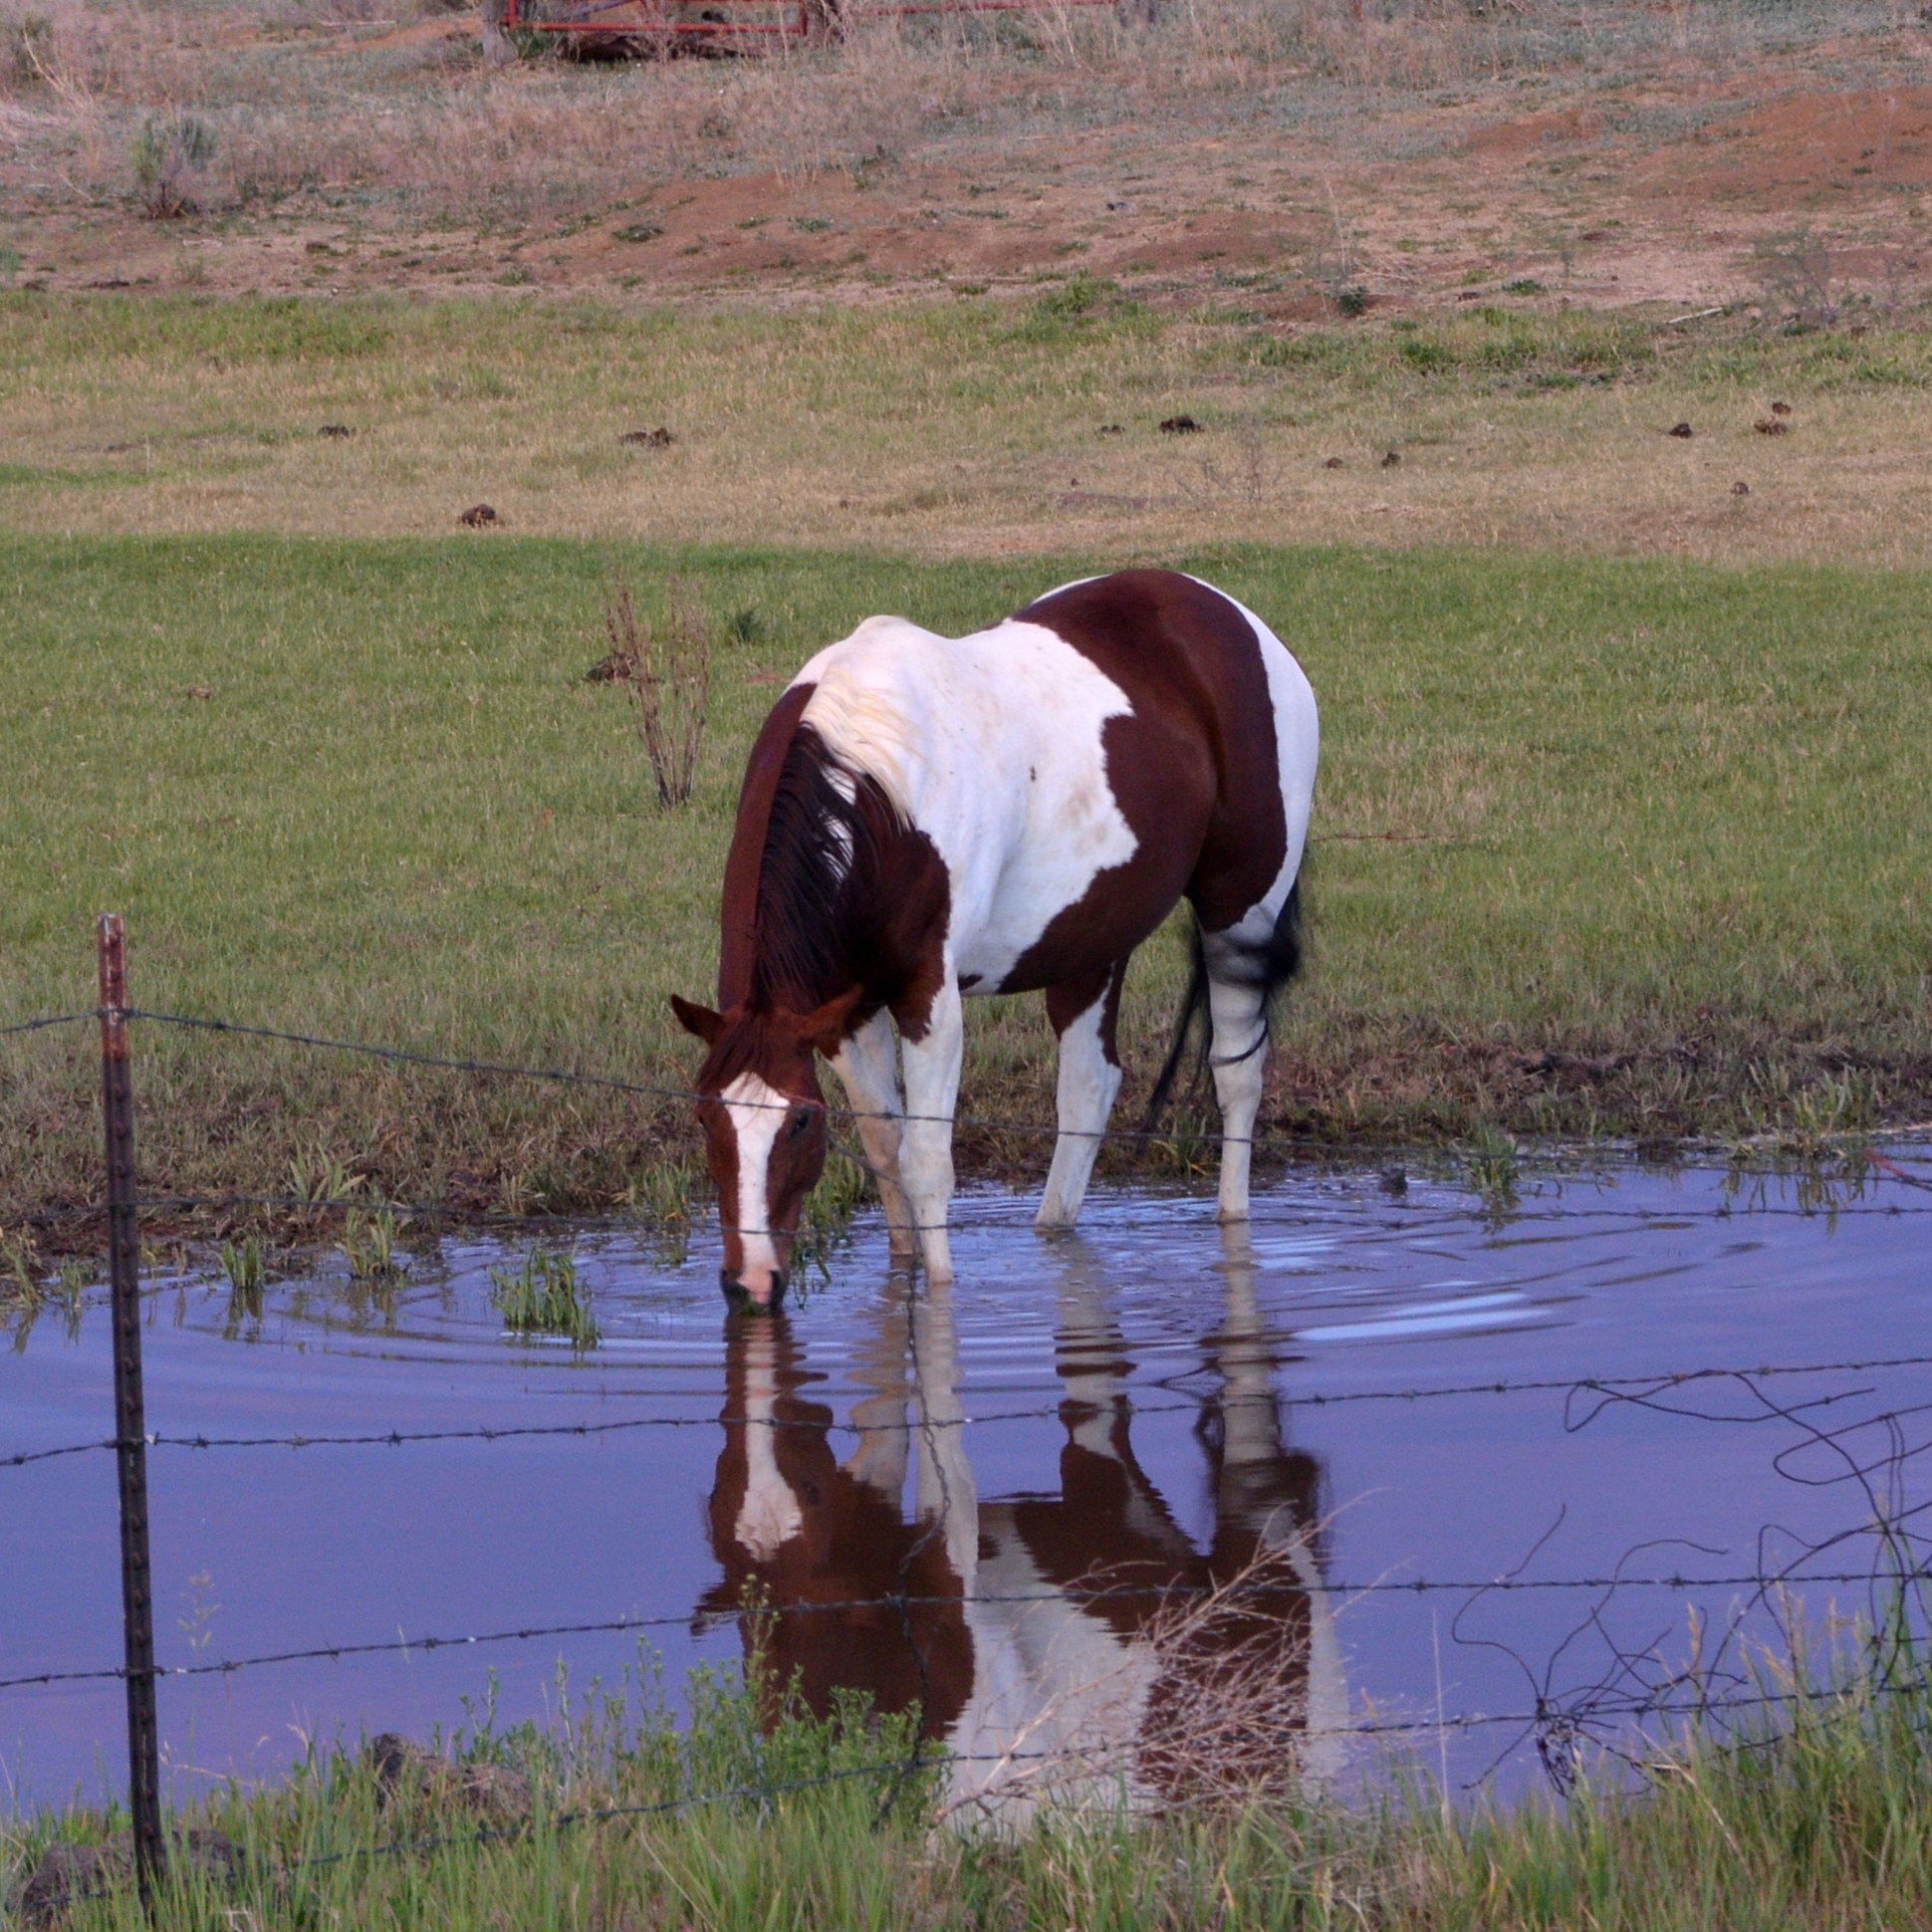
[667, 679]
[169, 158]
[1227, 1721]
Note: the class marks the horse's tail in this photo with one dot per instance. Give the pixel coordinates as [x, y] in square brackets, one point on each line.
[1269, 965]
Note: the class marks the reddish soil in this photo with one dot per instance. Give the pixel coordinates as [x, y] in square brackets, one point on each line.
[1675, 191]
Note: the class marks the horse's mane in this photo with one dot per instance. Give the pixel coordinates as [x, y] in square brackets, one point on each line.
[820, 875]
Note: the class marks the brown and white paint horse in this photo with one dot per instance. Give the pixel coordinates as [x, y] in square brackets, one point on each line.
[925, 818]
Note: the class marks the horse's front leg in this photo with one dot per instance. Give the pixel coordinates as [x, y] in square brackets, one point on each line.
[868, 1069]
[926, 1145]
[1082, 1014]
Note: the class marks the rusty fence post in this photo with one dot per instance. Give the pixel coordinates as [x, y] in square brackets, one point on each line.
[130, 1416]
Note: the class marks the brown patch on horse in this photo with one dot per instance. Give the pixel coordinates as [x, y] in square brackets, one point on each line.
[747, 856]
[1066, 1001]
[853, 1546]
[828, 886]
[1200, 736]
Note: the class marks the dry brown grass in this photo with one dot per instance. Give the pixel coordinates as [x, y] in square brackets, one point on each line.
[399, 117]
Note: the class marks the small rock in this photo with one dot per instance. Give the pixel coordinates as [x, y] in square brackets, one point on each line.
[1393, 460]
[496, 1793]
[1781, 408]
[1771, 426]
[336, 429]
[659, 438]
[1740, 489]
[1180, 426]
[1332, 463]
[1679, 430]
[396, 1758]
[477, 516]
[492, 1791]
[201, 691]
[68, 1873]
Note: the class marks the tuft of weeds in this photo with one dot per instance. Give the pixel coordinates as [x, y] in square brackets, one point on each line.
[20, 1280]
[667, 1191]
[318, 1181]
[169, 158]
[545, 1298]
[1491, 1162]
[368, 1244]
[245, 1265]
[667, 679]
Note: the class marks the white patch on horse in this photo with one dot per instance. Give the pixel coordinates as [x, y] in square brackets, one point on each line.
[993, 746]
[757, 1112]
[771, 1515]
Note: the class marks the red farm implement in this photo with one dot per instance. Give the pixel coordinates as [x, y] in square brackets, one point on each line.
[747, 26]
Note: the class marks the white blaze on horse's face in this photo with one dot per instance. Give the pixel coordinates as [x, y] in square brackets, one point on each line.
[758, 1114]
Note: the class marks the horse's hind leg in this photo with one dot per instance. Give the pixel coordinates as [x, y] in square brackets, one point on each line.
[1238, 1012]
[1083, 1013]
[868, 1069]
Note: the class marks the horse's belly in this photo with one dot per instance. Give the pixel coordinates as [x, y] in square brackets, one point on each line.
[1002, 909]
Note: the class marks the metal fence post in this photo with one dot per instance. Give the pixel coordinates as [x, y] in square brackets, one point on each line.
[130, 1417]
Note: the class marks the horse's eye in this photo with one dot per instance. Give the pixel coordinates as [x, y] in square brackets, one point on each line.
[801, 1118]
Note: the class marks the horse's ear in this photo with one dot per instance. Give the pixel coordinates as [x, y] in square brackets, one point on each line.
[698, 1020]
[824, 1031]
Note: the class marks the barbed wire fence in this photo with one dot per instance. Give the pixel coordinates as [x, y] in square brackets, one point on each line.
[1884, 1549]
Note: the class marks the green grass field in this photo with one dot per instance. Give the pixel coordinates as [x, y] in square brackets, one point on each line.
[1605, 847]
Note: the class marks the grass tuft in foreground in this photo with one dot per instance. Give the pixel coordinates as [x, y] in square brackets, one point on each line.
[1813, 1818]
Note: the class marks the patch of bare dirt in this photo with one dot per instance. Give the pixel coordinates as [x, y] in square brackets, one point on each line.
[1666, 189]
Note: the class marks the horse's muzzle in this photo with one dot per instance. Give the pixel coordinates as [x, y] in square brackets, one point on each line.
[742, 1300]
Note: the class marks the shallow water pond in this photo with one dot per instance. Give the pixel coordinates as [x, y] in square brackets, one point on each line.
[1047, 1474]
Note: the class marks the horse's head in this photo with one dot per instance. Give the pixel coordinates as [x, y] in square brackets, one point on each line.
[764, 1120]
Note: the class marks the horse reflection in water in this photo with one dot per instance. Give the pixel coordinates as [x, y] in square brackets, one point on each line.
[1064, 1647]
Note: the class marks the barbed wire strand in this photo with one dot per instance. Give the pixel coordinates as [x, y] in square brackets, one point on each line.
[1658, 1380]
[658, 1089]
[48, 1019]
[617, 1626]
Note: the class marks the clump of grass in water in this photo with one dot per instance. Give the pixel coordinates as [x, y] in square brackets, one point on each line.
[1490, 1164]
[368, 1244]
[545, 1296]
[18, 1268]
[245, 1264]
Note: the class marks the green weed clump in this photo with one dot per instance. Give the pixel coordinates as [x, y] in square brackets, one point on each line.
[543, 1297]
